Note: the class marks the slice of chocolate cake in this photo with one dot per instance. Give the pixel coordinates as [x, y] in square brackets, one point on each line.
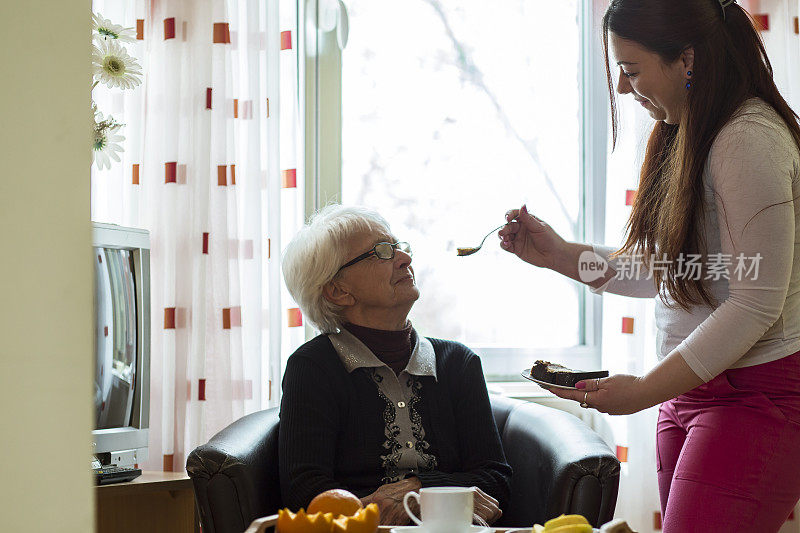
[561, 375]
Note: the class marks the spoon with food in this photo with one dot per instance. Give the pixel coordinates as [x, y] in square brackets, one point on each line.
[470, 251]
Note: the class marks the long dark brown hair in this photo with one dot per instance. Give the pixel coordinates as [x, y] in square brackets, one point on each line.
[730, 66]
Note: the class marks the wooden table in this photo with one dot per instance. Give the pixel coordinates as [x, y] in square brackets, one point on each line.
[155, 502]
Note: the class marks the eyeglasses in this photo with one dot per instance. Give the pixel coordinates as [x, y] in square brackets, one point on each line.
[382, 250]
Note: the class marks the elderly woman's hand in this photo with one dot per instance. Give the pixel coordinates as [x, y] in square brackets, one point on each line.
[389, 499]
[620, 394]
[487, 509]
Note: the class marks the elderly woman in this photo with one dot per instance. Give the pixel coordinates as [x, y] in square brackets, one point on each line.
[369, 405]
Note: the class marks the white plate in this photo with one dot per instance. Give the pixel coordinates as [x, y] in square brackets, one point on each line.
[527, 375]
[419, 529]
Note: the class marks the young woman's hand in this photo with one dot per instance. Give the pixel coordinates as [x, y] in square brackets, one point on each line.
[531, 239]
[619, 394]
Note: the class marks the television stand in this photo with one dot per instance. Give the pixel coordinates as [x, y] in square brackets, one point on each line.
[154, 502]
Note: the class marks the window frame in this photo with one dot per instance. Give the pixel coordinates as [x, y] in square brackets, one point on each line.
[321, 98]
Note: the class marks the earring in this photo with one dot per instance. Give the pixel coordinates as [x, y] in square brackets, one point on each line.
[689, 73]
[688, 85]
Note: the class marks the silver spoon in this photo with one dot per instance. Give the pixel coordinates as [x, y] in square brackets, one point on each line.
[470, 251]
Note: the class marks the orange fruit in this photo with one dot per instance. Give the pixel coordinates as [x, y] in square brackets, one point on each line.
[337, 501]
[301, 522]
[364, 520]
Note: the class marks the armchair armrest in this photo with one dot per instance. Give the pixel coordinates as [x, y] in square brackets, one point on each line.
[235, 475]
[560, 466]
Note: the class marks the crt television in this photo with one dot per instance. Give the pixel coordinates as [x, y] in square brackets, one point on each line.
[121, 258]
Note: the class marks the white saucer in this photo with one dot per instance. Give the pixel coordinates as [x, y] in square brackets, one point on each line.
[527, 375]
[420, 529]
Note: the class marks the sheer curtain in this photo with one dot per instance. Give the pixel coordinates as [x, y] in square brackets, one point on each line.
[210, 168]
[628, 324]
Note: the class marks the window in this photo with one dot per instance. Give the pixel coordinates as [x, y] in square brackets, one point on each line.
[451, 114]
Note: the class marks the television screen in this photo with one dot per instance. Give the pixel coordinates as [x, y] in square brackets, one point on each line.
[115, 337]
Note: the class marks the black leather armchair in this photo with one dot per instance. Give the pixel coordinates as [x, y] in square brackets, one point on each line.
[560, 466]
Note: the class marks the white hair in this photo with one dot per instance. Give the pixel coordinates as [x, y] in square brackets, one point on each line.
[315, 254]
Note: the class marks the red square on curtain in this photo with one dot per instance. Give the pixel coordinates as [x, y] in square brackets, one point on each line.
[140, 29]
[289, 178]
[201, 390]
[171, 172]
[286, 40]
[169, 318]
[762, 21]
[105, 331]
[295, 317]
[169, 28]
[627, 325]
[135, 174]
[622, 454]
[630, 196]
[222, 33]
[205, 242]
[222, 175]
[208, 97]
[656, 519]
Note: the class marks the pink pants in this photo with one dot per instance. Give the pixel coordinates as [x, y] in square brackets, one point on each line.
[728, 451]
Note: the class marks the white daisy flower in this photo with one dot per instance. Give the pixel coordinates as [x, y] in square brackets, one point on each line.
[113, 66]
[106, 140]
[106, 30]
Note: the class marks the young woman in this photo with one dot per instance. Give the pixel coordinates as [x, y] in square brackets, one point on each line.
[719, 187]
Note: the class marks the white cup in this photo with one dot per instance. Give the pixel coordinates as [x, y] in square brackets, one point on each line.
[443, 509]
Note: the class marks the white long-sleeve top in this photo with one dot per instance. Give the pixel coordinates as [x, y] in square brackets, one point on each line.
[753, 163]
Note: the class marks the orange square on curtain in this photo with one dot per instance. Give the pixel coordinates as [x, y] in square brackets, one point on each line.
[169, 318]
[135, 174]
[797, 25]
[622, 454]
[269, 248]
[222, 175]
[169, 28]
[235, 108]
[222, 33]
[168, 463]
[295, 317]
[267, 107]
[627, 324]
[171, 172]
[233, 174]
[630, 196]
[762, 21]
[289, 178]
[286, 40]
[140, 29]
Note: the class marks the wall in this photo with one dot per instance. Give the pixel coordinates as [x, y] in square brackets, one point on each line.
[45, 309]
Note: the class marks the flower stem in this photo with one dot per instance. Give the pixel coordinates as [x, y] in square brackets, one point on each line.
[94, 85]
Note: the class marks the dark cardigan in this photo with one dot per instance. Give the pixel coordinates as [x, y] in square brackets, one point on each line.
[332, 427]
